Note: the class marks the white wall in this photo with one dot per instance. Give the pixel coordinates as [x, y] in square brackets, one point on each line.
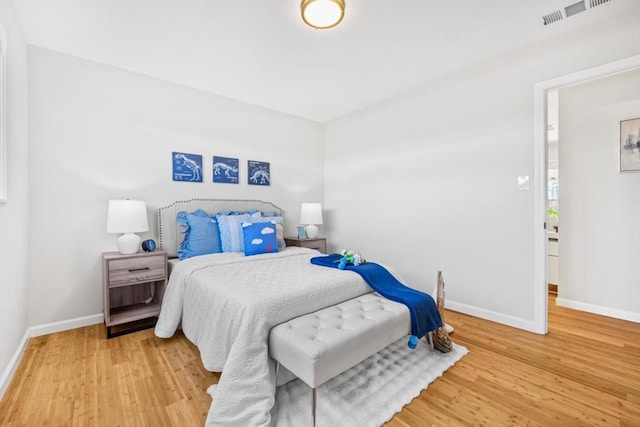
[422, 182]
[599, 248]
[99, 133]
[14, 214]
[427, 180]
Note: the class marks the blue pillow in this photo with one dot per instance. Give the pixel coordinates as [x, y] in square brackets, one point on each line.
[231, 232]
[230, 225]
[280, 237]
[259, 238]
[278, 220]
[200, 235]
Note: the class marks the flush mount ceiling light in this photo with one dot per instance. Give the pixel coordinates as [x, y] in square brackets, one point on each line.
[322, 14]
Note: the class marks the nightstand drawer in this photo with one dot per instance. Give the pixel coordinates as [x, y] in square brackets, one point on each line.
[311, 244]
[131, 270]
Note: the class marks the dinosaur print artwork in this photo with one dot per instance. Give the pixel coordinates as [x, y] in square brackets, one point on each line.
[259, 173]
[225, 169]
[187, 167]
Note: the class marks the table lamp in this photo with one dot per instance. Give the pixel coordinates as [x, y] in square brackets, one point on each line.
[128, 217]
[311, 214]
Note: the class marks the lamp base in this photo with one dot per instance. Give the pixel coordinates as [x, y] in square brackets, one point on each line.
[128, 243]
[312, 231]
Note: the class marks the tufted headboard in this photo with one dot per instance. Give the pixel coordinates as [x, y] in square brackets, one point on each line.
[168, 231]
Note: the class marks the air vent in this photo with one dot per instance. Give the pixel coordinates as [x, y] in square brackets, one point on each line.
[552, 17]
[571, 10]
[575, 8]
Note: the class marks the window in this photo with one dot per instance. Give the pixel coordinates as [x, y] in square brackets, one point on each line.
[553, 184]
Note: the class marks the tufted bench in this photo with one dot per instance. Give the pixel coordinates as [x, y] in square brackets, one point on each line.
[318, 346]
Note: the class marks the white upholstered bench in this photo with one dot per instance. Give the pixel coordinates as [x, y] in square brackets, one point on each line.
[318, 346]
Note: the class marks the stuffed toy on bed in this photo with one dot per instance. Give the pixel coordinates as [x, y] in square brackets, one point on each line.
[350, 258]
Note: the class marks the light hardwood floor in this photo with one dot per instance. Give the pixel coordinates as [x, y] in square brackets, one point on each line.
[585, 372]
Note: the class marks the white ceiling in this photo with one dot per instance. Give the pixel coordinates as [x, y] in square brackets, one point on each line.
[260, 51]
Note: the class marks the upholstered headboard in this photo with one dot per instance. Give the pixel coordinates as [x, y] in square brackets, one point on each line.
[168, 232]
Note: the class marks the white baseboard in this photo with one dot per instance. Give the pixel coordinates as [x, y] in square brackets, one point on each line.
[516, 322]
[598, 309]
[36, 331]
[65, 325]
[5, 379]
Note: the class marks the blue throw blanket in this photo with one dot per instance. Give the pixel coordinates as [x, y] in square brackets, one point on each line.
[425, 316]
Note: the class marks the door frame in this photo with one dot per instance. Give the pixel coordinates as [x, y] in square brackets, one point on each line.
[540, 172]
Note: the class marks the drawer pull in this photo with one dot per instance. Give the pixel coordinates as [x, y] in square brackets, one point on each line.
[133, 270]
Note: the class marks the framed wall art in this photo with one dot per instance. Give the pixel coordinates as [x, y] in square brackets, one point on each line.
[225, 169]
[259, 173]
[187, 167]
[629, 149]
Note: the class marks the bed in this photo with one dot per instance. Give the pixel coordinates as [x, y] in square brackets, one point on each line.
[226, 304]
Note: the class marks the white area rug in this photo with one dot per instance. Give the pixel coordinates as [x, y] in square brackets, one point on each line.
[370, 393]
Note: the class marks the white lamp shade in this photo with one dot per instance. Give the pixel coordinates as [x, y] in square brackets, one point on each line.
[311, 213]
[127, 216]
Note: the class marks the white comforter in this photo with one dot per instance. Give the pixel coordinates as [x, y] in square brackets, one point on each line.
[228, 303]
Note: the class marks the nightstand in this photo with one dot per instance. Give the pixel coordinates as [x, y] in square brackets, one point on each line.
[133, 287]
[318, 243]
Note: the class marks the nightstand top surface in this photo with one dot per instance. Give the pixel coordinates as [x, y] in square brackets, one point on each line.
[116, 254]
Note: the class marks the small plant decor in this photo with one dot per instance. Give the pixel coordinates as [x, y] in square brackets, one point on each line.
[552, 213]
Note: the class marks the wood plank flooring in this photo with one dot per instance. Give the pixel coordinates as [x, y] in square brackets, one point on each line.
[585, 372]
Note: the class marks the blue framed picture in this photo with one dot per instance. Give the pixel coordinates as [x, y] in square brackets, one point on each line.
[259, 173]
[225, 169]
[187, 167]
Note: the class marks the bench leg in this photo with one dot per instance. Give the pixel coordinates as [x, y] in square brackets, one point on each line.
[429, 340]
[313, 405]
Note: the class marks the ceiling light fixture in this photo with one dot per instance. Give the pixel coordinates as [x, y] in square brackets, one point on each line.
[322, 14]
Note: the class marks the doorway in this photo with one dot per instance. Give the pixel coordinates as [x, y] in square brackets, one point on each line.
[541, 91]
[553, 190]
